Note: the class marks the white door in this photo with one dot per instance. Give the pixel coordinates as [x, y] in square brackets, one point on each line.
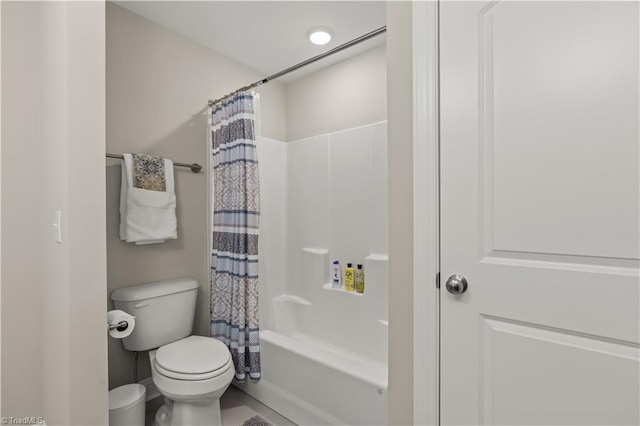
[540, 212]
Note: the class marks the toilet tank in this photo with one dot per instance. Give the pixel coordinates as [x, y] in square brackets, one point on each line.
[164, 311]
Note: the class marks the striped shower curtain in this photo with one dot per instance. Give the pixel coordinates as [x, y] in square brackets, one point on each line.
[236, 216]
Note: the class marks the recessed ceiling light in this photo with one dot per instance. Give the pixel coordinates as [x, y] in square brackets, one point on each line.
[319, 36]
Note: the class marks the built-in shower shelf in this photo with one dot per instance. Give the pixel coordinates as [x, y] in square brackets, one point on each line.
[315, 250]
[378, 257]
[328, 286]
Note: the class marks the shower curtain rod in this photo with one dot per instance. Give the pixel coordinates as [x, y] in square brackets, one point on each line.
[337, 49]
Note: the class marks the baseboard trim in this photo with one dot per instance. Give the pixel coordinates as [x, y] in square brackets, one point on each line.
[152, 391]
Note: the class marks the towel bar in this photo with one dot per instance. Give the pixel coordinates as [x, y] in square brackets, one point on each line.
[195, 167]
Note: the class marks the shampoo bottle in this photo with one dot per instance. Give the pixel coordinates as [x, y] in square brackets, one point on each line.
[359, 279]
[349, 278]
[336, 275]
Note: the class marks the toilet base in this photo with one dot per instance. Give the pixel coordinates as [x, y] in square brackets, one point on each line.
[194, 413]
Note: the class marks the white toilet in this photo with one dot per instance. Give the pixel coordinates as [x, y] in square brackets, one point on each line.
[191, 372]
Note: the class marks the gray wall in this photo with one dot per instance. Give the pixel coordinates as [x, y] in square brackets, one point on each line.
[400, 133]
[88, 381]
[158, 83]
[54, 345]
[0, 208]
[22, 218]
[342, 96]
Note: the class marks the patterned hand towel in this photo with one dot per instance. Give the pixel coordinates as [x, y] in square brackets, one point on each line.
[147, 200]
[149, 172]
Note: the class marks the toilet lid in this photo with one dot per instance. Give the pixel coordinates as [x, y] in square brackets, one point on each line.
[193, 355]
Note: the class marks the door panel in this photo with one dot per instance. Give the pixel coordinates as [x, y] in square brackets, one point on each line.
[540, 212]
[518, 360]
[556, 112]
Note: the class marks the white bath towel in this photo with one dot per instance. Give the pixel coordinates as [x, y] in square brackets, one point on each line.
[147, 217]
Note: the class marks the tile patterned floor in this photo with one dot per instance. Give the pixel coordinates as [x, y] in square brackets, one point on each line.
[237, 407]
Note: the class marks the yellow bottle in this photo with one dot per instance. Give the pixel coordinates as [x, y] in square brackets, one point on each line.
[349, 278]
[359, 279]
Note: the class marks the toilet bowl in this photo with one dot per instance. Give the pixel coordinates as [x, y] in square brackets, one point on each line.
[191, 372]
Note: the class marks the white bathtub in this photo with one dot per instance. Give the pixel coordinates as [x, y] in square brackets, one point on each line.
[324, 351]
[313, 383]
[324, 362]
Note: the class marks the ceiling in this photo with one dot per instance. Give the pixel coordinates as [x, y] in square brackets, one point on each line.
[268, 36]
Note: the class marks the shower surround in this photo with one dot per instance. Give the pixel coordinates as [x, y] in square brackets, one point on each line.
[324, 351]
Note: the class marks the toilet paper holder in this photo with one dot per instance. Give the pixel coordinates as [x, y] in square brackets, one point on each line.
[121, 326]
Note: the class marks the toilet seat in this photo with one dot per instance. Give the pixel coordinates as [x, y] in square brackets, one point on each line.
[193, 358]
[193, 377]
